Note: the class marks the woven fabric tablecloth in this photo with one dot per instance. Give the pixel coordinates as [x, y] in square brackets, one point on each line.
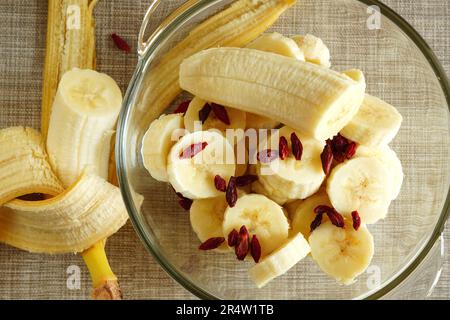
[22, 36]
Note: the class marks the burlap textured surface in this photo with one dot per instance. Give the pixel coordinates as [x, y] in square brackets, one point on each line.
[22, 38]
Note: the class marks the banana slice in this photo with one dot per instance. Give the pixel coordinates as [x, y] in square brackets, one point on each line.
[314, 49]
[23, 165]
[376, 123]
[262, 217]
[280, 261]
[363, 185]
[194, 176]
[158, 140]
[342, 253]
[312, 99]
[273, 194]
[206, 217]
[305, 215]
[292, 206]
[292, 179]
[89, 211]
[237, 118]
[84, 115]
[391, 162]
[257, 122]
[279, 44]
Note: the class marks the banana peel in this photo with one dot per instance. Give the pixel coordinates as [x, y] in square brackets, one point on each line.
[70, 44]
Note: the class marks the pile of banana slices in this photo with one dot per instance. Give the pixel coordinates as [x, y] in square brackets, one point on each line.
[318, 171]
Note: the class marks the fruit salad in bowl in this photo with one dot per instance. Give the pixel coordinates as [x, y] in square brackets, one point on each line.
[273, 160]
[327, 151]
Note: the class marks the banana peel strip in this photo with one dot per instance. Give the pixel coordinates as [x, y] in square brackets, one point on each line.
[88, 212]
[70, 44]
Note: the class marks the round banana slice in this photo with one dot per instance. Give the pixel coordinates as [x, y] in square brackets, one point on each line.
[314, 49]
[279, 44]
[257, 122]
[342, 253]
[196, 159]
[157, 142]
[390, 161]
[291, 178]
[280, 261]
[192, 122]
[376, 123]
[305, 215]
[206, 217]
[363, 185]
[272, 194]
[262, 217]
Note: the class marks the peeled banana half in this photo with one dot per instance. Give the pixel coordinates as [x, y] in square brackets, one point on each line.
[314, 100]
[82, 122]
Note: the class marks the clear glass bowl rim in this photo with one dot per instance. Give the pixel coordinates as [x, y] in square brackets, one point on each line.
[170, 24]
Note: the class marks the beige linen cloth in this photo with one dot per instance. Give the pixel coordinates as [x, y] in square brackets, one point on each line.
[22, 49]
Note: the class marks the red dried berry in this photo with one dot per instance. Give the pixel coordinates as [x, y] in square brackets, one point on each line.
[335, 217]
[220, 183]
[193, 150]
[356, 220]
[233, 238]
[203, 114]
[243, 246]
[120, 43]
[221, 113]
[316, 222]
[343, 148]
[283, 148]
[255, 249]
[321, 209]
[212, 243]
[297, 146]
[231, 192]
[185, 203]
[245, 180]
[182, 107]
[267, 156]
[350, 150]
[327, 159]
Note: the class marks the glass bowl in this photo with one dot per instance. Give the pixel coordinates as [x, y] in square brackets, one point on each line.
[401, 69]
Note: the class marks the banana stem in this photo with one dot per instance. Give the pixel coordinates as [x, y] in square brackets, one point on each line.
[104, 281]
